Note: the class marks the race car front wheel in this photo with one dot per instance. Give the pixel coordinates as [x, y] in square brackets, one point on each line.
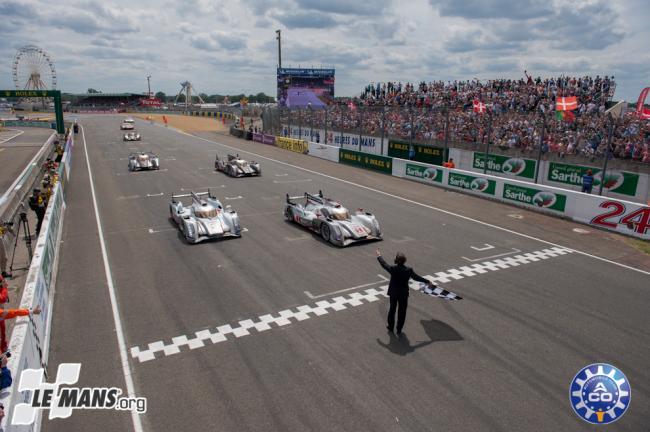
[325, 232]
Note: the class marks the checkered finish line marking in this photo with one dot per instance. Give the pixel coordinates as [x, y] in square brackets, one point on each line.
[335, 304]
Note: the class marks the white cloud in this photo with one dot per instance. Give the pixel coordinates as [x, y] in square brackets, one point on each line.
[229, 46]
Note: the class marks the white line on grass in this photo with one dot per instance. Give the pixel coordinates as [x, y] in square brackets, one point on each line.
[421, 204]
[126, 368]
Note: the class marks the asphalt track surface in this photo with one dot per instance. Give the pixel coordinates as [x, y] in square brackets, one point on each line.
[16, 153]
[501, 359]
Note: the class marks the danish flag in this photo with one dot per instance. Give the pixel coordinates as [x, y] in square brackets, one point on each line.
[568, 103]
[479, 107]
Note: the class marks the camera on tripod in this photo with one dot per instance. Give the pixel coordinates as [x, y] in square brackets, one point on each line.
[23, 217]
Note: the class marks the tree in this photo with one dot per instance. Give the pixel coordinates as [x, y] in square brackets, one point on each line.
[161, 96]
[92, 90]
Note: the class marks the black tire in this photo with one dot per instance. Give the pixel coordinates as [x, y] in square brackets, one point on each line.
[325, 232]
[288, 214]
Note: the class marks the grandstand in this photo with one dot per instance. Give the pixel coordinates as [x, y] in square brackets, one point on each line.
[107, 100]
[436, 111]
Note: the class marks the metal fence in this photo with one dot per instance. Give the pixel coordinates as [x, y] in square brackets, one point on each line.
[537, 135]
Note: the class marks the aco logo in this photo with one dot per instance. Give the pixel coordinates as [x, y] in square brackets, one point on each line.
[600, 394]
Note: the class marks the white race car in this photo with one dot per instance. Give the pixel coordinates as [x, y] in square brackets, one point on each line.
[143, 161]
[131, 136]
[127, 126]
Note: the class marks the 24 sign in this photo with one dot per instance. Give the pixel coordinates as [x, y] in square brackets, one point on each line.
[637, 220]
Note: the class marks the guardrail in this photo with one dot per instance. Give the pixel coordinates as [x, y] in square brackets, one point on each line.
[625, 217]
[18, 191]
[30, 339]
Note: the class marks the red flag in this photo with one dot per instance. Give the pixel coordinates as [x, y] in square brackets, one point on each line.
[567, 103]
[351, 105]
[479, 107]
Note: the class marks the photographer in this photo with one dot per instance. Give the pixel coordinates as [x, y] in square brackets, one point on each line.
[38, 203]
[5, 374]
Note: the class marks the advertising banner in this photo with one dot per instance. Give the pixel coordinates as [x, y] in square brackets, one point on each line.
[422, 153]
[365, 160]
[535, 197]
[513, 166]
[263, 138]
[612, 214]
[324, 151]
[621, 182]
[471, 182]
[369, 144]
[423, 173]
[294, 145]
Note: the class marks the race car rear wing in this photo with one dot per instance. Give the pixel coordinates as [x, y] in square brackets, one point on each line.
[193, 195]
[317, 198]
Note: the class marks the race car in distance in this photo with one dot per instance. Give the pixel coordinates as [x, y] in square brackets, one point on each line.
[129, 120]
[127, 126]
[205, 218]
[131, 136]
[235, 166]
[143, 161]
[331, 220]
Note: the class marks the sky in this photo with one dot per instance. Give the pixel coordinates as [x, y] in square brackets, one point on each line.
[229, 46]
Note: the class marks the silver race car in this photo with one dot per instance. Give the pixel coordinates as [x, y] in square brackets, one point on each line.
[127, 126]
[131, 136]
[204, 219]
[143, 161]
[333, 221]
[235, 166]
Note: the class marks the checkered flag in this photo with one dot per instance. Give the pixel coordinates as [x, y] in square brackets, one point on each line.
[438, 292]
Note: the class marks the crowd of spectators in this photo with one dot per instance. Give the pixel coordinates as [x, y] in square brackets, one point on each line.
[514, 117]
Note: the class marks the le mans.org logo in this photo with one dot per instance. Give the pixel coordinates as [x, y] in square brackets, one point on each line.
[600, 393]
[61, 401]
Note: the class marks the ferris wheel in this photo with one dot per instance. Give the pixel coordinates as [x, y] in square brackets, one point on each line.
[33, 69]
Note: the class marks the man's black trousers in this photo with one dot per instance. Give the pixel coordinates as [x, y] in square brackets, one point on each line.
[400, 304]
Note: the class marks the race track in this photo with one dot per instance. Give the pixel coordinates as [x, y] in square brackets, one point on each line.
[15, 153]
[193, 316]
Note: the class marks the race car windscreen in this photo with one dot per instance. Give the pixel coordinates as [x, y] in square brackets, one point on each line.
[206, 213]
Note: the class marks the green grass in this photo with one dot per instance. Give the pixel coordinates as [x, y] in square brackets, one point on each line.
[643, 246]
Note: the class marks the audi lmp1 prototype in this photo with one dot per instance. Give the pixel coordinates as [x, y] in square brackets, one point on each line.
[131, 136]
[204, 219]
[235, 166]
[143, 161]
[126, 126]
[331, 220]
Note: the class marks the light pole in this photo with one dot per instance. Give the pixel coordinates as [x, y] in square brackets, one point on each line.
[149, 86]
[487, 142]
[279, 38]
[541, 143]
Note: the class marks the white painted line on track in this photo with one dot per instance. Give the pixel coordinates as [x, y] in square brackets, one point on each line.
[492, 256]
[234, 198]
[18, 132]
[119, 332]
[383, 280]
[153, 231]
[291, 181]
[487, 247]
[155, 195]
[467, 218]
[301, 313]
[302, 237]
[404, 239]
[119, 198]
[201, 187]
[516, 216]
[281, 175]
